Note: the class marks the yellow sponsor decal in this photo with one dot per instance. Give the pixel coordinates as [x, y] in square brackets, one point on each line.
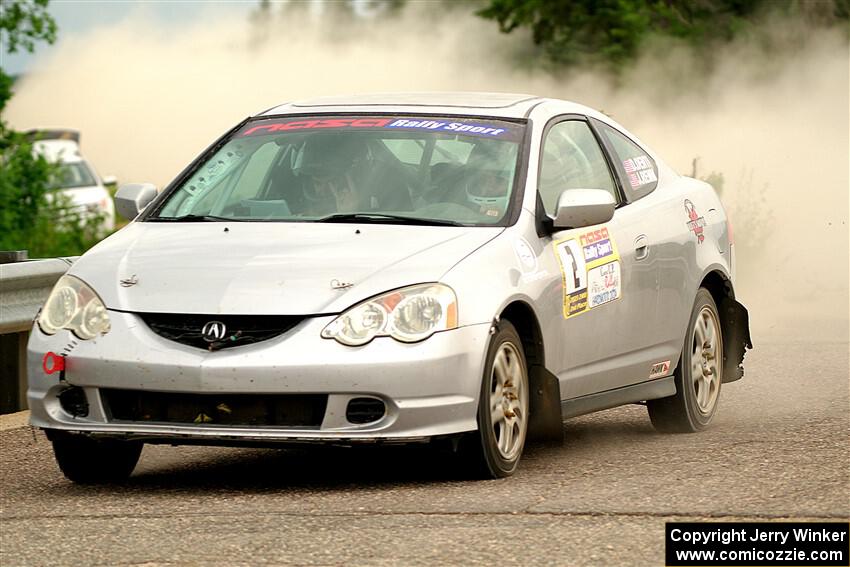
[590, 270]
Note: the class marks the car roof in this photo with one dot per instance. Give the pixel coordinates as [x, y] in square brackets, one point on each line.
[507, 105]
[55, 150]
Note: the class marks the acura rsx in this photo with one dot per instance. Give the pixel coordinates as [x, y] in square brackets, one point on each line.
[463, 268]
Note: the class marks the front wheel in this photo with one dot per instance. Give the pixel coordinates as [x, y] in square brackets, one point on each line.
[496, 447]
[698, 376]
[90, 461]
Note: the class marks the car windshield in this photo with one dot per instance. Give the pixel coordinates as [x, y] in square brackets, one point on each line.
[428, 170]
[71, 175]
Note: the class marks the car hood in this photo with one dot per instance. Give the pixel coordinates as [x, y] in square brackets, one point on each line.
[267, 268]
[81, 196]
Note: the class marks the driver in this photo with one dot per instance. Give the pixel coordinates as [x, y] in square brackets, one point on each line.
[328, 192]
[488, 184]
[327, 171]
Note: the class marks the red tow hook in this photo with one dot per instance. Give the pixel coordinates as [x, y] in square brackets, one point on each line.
[53, 363]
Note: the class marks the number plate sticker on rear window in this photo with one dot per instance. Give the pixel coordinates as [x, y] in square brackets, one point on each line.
[590, 270]
[640, 171]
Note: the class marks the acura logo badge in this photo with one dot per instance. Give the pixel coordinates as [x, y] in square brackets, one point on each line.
[214, 331]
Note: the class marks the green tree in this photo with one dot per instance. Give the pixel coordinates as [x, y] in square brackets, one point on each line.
[612, 31]
[25, 22]
[29, 218]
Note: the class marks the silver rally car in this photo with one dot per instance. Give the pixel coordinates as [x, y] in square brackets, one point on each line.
[468, 268]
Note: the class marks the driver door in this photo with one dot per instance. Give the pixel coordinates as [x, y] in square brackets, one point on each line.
[609, 288]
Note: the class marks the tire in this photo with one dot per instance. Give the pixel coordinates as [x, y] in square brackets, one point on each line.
[495, 449]
[699, 374]
[89, 461]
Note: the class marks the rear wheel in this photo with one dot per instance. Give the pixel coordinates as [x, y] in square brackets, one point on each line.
[698, 377]
[90, 461]
[495, 449]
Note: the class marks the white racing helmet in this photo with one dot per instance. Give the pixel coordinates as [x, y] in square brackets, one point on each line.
[490, 173]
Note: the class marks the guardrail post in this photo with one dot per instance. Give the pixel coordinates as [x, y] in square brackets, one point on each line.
[13, 370]
[13, 356]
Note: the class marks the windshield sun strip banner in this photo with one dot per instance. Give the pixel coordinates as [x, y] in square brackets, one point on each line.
[467, 127]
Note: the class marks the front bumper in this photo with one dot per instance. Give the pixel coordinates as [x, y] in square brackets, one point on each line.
[429, 388]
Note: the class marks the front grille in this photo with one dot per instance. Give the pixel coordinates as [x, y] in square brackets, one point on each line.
[280, 410]
[240, 329]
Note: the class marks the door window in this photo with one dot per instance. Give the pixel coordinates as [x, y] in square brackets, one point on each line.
[572, 159]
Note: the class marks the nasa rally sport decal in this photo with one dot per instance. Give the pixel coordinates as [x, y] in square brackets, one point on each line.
[590, 268]
[478, 128]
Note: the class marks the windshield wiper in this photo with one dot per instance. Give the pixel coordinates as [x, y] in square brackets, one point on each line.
[196, 218]
[387, 219]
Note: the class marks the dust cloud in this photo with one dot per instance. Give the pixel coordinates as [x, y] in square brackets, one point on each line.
[771, 115]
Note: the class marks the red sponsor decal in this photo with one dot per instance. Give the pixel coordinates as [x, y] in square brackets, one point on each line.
[660, 369]
[593, 236]
[269, 128]
[696, 222]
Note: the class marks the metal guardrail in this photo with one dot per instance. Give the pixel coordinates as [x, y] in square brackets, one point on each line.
[24, 287]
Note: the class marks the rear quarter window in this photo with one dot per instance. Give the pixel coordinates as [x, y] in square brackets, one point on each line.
[638, 171]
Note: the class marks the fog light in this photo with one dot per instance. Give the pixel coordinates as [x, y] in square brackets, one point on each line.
[73, 400]
[365, 410]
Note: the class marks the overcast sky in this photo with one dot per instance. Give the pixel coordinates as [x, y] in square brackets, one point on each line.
[78, 17]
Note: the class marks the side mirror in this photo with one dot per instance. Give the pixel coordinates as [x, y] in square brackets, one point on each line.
[583, 207]
[132, 198]
[110, 180]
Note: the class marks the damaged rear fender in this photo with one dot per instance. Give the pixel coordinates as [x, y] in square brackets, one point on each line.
[736, 337]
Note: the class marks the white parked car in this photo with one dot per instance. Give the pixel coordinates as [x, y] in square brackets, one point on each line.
[76, 178]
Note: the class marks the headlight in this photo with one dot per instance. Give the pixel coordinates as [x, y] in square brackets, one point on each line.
[409, 315]
[74, 306]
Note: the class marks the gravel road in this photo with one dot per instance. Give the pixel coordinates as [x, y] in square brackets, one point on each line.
[778, 449]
